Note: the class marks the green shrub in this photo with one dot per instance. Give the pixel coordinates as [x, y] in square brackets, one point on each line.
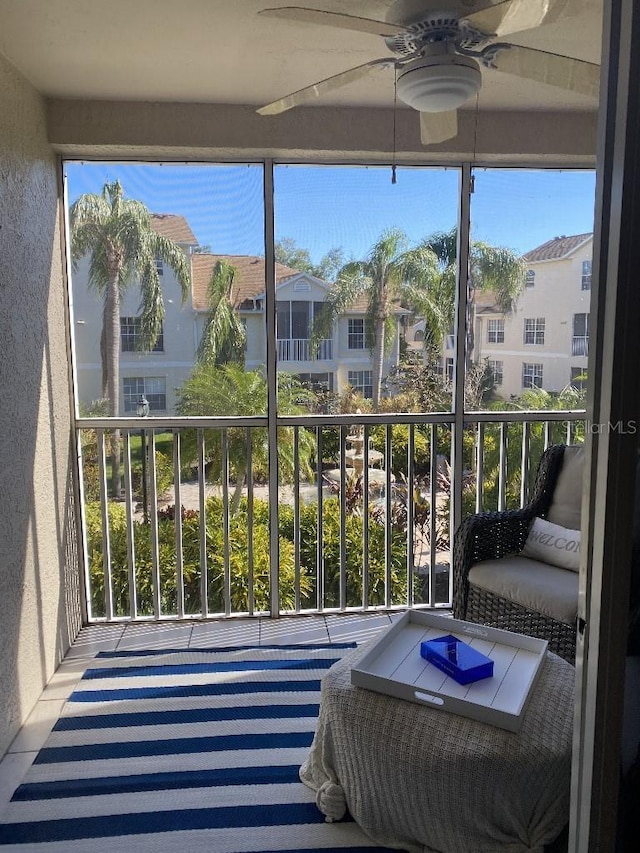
[238, 562]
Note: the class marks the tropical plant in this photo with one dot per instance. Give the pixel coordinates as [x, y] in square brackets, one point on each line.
[492, 269]
[223, 338]
[214, 391]
[123, 248]
[390, 272]
[289, 253]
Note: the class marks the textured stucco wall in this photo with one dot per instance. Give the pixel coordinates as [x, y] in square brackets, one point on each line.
[39, 596]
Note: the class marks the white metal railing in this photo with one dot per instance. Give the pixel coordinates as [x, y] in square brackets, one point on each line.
[363, 508]
[299, 349]
[580, 345]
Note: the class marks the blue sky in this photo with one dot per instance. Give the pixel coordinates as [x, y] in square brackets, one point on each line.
[322, 207]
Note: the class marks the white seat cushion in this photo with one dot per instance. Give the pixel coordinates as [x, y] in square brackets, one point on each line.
[566, 507]
[537, 586]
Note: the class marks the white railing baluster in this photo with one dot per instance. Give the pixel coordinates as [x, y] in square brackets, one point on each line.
[319, 544]
[524, 463]
[410, 514]
[251, 600]
[106, 532]
[433, 511]
[128, 496]
[502, 479]
[388, 528]
[177, 517]
[226, 560]
[365, 521]
[480, 468]
[343, 517]
[153, 524]
[296, 519]
[202, 500]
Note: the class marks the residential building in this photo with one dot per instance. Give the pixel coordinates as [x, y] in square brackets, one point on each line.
[544, 342]
[342, 360]
[157, 373]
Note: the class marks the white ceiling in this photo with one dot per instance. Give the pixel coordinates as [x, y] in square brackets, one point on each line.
[221, 51]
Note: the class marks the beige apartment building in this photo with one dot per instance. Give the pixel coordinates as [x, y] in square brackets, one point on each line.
[544, 342]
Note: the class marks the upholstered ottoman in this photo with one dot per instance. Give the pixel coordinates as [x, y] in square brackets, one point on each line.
[425, 780]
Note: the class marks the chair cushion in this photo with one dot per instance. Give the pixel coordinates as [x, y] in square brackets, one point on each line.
[566, 506]
[537, 586]
[550, 543]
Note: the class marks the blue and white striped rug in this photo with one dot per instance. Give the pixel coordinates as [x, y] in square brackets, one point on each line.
[182, 750]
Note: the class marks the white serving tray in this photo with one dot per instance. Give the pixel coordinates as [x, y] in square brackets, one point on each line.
[393, 665]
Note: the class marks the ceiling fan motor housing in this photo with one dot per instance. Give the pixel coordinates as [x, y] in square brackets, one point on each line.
[434, 84]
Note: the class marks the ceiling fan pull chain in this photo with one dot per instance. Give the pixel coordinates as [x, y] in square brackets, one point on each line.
[394, 178]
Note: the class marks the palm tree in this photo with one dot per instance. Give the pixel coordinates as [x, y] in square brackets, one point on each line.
[213, 391]
[491, 269]
[223, 338]
[118, 236]
[389, 273]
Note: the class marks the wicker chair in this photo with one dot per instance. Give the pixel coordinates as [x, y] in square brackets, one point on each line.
[495, 535]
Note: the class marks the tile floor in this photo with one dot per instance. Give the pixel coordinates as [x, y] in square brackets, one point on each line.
[259, 631]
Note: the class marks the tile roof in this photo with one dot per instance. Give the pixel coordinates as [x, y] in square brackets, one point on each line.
[174, 227]
[249, 280]
[558, 247]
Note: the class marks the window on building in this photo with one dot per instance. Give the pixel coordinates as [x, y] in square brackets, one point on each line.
[130, 330]
[160, 266]
[495, 331]
[586, 275]
[530, 278]
[356, 333]
[579, 378]
[448, 369]
[497, 371]
[317, 381]
[580, 338]
[418, 337]
[531, 375]
[362, 382]
[154, 389]
[534, 330]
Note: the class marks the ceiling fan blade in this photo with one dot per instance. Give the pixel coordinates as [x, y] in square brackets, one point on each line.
[335, 19]
[309, 93]
[575, 75]
[438, 127]
[514, 16]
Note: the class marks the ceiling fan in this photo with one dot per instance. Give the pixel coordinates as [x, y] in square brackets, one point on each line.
[441, 49]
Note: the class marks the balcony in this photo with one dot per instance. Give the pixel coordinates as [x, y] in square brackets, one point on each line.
[299, 349]
[580, 345]
[321, 540]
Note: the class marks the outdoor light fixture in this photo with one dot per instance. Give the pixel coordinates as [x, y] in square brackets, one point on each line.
[435, 84]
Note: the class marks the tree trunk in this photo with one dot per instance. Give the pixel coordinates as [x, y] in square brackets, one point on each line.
[470, 321]
[103, 353]
[378, 360]
[112, 347]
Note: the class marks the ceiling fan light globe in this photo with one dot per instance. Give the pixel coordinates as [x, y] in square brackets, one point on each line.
[439, 84]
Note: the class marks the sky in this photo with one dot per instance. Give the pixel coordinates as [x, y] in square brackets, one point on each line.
[325, 207]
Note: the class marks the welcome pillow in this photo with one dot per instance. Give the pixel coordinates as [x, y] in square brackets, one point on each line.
[553, 544]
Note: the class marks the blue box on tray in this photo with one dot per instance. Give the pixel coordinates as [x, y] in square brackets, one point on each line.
[457, 659]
